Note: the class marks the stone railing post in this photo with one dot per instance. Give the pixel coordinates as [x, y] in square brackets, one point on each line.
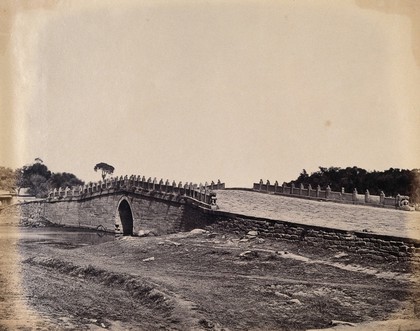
[213, 200]
[309, 190]
[261, 184]
[200, 196]
[206, 187]
[318, 191]
[367, 196]
[382, 197]
[191, 190]
[327, 192]
[354, 195]
[397, 200]
[300, 189]
[206, 194]
[194, 190]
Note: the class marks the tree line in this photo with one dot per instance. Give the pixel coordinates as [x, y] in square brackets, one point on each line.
[37, 178]
[392, 181]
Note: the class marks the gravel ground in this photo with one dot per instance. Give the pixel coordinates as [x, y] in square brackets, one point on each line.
[208, 281]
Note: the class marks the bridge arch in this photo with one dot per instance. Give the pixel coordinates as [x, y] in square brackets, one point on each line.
[124, 217]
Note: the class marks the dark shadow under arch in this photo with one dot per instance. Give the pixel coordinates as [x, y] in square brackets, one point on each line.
[126, 217]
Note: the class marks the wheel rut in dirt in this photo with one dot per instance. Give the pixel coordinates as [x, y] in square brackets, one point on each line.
[157, 307]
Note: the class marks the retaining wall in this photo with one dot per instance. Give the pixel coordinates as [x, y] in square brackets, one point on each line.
[364, 243]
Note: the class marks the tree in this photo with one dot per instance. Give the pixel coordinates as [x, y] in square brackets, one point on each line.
[38, 186]
[105, 168]
[391, 182]
[7, 179]
[21, 181]
[63, 180]
[35, 177]
[39, 179]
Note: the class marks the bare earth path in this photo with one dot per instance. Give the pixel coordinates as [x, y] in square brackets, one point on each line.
[205, 282]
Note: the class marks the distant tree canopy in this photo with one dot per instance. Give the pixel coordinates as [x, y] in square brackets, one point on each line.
[8, 178]
[105, 169]
[34, 177]
[39, 179]
[64, 179]
[391, 182]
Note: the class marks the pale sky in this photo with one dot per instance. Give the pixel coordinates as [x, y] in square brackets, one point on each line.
[202, 90]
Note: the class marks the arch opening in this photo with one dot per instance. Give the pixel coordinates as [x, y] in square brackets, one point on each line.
[126, 218]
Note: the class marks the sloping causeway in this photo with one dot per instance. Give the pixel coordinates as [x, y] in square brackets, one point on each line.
[349, 217]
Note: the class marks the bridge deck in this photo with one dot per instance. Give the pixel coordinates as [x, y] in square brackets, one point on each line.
[321, 213]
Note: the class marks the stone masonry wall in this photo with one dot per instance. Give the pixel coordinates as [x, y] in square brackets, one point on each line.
[363, 243]
[168, 216]
[159, 215]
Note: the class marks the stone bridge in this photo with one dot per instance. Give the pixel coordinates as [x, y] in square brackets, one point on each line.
[127, 204]
[131, 204]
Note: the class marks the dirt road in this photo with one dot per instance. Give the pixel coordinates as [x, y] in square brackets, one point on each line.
[209, 281]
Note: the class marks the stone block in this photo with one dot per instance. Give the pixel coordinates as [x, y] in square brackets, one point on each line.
[404, 248]
[390, 257]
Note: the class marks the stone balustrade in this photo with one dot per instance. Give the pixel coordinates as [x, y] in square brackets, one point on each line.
[202, 193]
[327, 194]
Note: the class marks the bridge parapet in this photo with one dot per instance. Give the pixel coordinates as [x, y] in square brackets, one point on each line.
[327, 194]
[201, 194]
